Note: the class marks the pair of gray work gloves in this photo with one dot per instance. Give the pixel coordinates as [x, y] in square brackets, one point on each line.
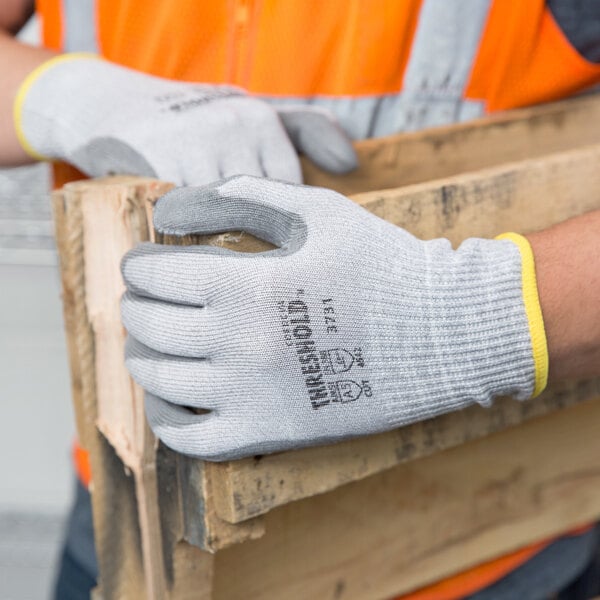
[351, 326]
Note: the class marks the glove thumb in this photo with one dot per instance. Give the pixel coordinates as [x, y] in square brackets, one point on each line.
[315, 133]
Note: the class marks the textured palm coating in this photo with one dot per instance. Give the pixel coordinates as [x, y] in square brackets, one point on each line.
[352, 326]
[108, 119]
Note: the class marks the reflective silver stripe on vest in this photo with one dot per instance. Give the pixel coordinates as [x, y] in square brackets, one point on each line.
[442, 56]
[376, 116]
[79, 26]
[443, 53]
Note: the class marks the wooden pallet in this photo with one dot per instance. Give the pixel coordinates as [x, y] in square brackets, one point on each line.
[368, 518]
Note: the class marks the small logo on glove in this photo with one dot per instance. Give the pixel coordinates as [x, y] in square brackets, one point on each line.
[347, 390]
[340, 360]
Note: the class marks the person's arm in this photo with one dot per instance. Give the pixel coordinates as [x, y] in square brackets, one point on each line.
[567, 258]
[16, 62]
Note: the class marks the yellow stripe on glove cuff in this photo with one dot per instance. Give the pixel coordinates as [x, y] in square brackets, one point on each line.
[533, 310]
[24, 89]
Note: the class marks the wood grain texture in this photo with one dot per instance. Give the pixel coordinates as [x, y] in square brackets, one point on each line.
[97, 222]
[113, 221]
[119, 550]
[426, 519]
[522, 196]
[408, 158]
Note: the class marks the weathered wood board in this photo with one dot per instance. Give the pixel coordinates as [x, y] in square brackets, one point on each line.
[129, 560]
[426, 519]
[408, 158]
[134, 524]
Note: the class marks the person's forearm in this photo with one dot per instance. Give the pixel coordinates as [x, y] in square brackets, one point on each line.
[567, 258]
[16, 62]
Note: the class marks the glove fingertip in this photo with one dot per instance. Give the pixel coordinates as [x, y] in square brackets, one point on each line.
[340, 158]
[130, 261]
[320, 137]
[177, 212]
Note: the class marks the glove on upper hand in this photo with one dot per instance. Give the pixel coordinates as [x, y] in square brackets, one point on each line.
[105, 119]
[352, 326]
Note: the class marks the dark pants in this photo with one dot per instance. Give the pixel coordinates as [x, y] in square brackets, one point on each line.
[568, 569]
[77, 569]
[562, 571]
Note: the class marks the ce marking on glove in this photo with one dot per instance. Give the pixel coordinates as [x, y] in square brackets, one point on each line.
[348, 390]
[340, 360]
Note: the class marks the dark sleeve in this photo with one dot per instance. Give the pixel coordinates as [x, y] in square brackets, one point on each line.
[580, 22]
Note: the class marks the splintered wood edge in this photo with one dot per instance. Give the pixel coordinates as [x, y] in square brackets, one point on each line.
[69, 249]
[138, 454]
[113, 221]
[119, 555]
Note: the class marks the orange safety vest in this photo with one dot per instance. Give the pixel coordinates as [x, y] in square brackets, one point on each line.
[380, 67]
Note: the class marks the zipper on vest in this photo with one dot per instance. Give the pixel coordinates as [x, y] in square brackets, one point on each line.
[240, 41]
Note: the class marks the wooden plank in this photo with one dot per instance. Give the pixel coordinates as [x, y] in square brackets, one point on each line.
[112, 223]
[255, 486]
[521, 196]
[114, 215]
[414, 524]
[113, 490]
[97, 222]
[408, 158]
[188, 571]
[426, 519]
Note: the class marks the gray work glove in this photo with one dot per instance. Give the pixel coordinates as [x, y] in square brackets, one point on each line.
[353, 326]
[105, 119]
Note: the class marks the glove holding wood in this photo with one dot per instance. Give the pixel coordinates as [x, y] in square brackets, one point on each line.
[351, 326]
[107, 119]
